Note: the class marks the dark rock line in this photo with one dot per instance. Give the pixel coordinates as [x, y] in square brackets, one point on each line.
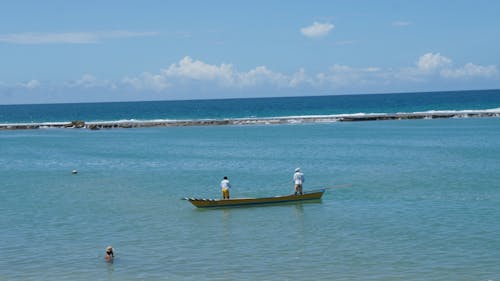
[246, 121]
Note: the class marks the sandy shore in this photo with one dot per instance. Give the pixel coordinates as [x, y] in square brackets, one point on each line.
[246, 121]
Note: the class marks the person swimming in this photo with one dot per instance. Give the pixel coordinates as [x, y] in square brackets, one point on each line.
[109, 253]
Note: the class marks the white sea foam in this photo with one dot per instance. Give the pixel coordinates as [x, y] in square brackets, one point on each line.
[463, 111]
[35, 124]
[359, 114]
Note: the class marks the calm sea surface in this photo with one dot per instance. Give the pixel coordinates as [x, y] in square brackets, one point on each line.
[258, 107]
[424, 202]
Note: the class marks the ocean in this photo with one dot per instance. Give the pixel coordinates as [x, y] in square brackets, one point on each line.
[253, 107]
[422, 201]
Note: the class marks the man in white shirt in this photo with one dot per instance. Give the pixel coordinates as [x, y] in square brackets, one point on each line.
[225, 186]
[298, 179]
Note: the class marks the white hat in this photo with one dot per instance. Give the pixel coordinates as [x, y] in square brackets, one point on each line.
[297, 170]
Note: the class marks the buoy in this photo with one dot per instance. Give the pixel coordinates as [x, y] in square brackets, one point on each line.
[74, 172]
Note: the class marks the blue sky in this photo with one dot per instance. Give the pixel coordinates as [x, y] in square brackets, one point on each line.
[86, 51]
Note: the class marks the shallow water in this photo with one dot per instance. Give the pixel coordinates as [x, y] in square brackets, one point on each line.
[424, 202]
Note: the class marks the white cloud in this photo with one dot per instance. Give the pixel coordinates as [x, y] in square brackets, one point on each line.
[195, 72]
[299, 77]
[187, 68]
[87, 81]
[147, 81]
[193, 78]
[371, 69]
[430, 62]
[343, 76]
[30, 84]
[471, 70]
[317, 29]
[262, 75]
[198, 71]
[90, 81]
[71, 37]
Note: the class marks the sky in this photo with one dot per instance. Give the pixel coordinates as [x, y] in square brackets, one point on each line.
[95, 51]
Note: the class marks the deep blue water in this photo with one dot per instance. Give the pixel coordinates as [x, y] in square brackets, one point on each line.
[259, 107]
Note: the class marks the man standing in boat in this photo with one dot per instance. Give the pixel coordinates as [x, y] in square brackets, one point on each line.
[298, 179]
[225, 186]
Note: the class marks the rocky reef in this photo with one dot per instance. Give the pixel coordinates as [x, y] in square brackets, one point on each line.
[78, 124]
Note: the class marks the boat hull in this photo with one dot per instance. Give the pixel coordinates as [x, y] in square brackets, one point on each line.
[214, 203]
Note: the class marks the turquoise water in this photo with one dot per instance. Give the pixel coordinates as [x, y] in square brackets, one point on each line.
[424, 202]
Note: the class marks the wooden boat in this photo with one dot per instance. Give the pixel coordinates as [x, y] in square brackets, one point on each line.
[212, 203]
